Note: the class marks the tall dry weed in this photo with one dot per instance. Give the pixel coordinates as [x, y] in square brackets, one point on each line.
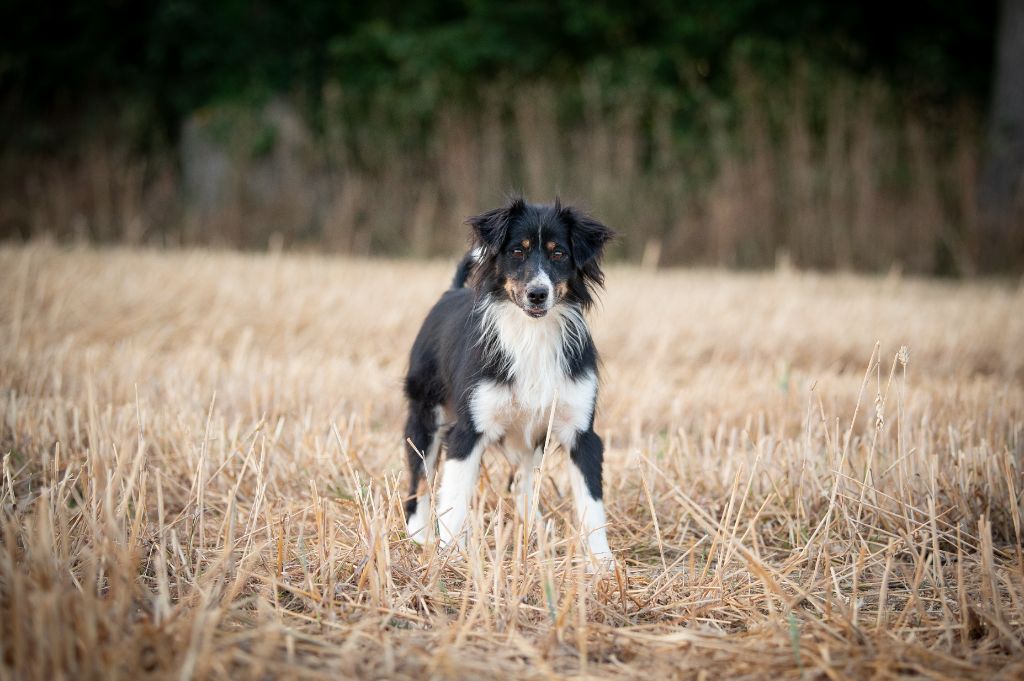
[846, 177]
[202, 478]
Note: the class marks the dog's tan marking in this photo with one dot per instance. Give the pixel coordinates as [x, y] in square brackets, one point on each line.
[551, 245]
[525, 243]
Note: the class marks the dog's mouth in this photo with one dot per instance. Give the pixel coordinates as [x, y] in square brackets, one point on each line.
[535, 311]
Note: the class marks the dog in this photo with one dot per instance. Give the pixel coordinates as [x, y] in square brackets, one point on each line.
[506, 342]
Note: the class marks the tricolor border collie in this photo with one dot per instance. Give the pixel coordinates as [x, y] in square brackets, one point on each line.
[504, 343]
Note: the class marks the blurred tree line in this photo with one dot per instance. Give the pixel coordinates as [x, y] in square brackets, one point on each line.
[155, 62]
[137, 70]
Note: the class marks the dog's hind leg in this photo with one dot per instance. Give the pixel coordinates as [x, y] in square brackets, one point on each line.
[423, 443]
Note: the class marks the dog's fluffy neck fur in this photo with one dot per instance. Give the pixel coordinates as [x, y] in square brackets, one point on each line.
[535, 355]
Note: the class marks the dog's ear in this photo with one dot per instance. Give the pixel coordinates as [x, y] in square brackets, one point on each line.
[587, 237]
[491, 228]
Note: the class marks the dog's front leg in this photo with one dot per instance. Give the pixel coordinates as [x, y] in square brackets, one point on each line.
[458, 480]
[587, 454]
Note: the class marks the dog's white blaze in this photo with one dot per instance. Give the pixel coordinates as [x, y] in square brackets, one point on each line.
[543, 280]
[458, 480]
[591, 517]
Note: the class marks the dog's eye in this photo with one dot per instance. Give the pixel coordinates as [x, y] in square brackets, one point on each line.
[517, 252]
[557, 255]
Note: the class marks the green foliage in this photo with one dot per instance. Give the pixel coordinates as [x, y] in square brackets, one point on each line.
[241, 131]
[159, 61]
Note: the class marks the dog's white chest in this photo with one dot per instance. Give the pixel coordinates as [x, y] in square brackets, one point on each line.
[533, 354]
[520, 412]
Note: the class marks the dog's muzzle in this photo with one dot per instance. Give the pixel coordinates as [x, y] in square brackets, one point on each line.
[537, 300]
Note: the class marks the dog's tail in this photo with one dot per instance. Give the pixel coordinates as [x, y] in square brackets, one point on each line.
[465, 268]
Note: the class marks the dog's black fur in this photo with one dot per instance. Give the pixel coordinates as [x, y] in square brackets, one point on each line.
[515, 247]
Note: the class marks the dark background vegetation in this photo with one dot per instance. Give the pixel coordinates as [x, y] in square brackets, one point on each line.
[854, 135]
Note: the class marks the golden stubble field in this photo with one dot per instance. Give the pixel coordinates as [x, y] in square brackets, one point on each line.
[203, 469]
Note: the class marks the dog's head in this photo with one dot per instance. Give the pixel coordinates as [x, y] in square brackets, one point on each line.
[539, 256]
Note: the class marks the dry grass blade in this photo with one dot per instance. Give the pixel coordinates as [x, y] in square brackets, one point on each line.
[202, 477]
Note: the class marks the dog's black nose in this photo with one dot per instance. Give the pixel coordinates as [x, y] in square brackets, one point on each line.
[537, 296]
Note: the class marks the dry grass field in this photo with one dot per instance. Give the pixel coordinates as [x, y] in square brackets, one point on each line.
[203, 472]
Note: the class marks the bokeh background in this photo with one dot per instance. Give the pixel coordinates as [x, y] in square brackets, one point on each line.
[864, 136]
[814, 467]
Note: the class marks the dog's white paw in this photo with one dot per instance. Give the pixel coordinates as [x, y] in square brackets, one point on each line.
[417, 525]
[600, 563]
